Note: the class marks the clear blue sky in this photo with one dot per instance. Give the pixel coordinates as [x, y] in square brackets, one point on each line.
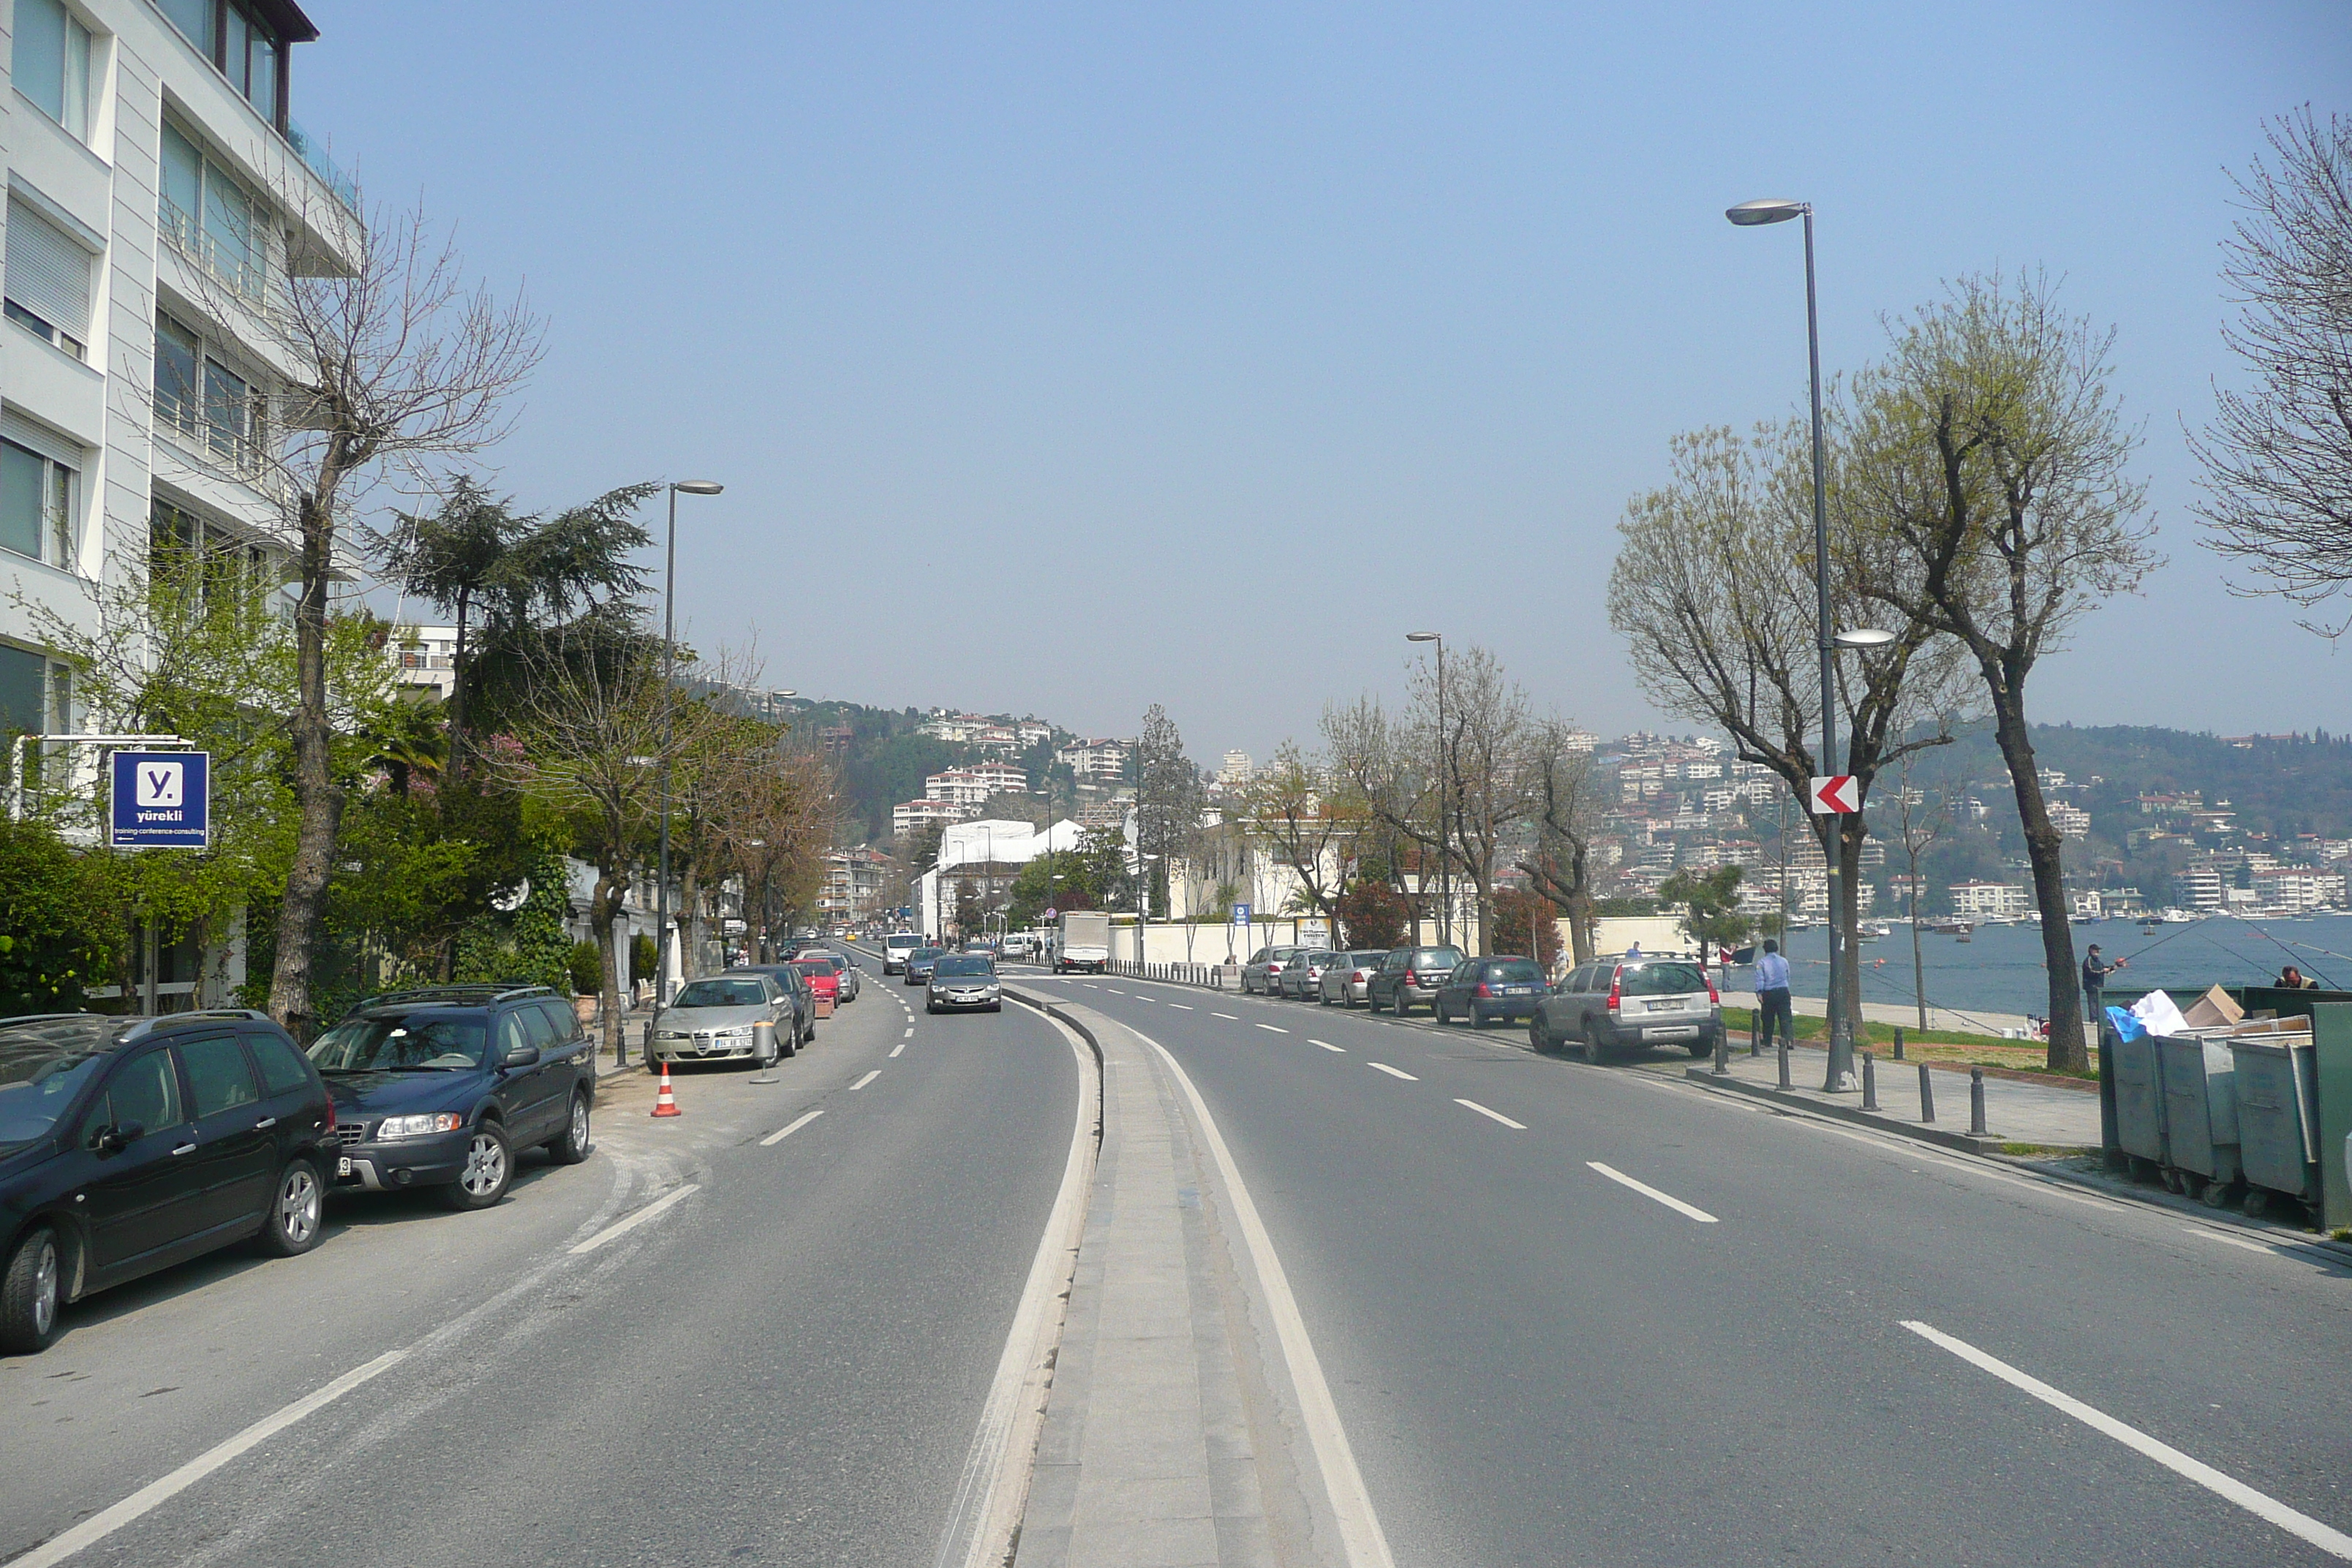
[1071, 359]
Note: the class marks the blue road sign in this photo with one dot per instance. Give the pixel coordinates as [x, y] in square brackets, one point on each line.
[1240, 914]
[162, 800]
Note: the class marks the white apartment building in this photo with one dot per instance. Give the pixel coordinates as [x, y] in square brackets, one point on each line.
[426, 657]
[158, 192]
[2199, 888]
[973, 785]
[907, 816]
[1104, 760]
[2298, 889]
[1989, 901]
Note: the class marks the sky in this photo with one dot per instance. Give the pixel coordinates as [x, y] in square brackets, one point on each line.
[1069, 359]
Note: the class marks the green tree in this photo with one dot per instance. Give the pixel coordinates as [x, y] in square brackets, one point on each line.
[1526, 923]
[1710, 901]
[1371, 913]
[51, 949]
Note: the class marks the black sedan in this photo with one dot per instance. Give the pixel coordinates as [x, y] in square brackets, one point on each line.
[1485, 988]
[128, 1145]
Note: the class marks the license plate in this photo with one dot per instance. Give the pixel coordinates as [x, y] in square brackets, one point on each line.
[1665, 1006]
[1518, 989]
[343, 1166]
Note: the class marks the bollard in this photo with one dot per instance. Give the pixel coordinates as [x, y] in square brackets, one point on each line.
[1784, 1064]
[1975, 1102]
[1869, 1081]
[1752, 1049]
[1926, 1095]
[1723, 1053]
[1898, 1042]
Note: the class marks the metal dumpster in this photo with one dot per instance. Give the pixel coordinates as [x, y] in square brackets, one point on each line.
[2277, 1091]
[2201, 1110]
[2139, 1101]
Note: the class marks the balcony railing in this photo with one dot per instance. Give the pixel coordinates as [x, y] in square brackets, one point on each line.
[314, 152]
[234, 450]
[243, 273]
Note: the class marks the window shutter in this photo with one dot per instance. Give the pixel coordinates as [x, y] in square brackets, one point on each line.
[49, 274]
[40, 438]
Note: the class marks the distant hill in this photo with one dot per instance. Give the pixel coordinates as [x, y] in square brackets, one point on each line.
[882, 758]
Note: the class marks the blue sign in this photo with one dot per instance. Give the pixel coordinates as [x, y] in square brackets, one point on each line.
[162, 800]
[1240, 914]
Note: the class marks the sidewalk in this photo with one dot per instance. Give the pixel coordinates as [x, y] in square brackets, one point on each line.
[1901, 1012]
[2015, 1113]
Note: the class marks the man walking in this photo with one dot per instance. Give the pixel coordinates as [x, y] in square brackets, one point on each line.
[2096, 971]
[1772, 998]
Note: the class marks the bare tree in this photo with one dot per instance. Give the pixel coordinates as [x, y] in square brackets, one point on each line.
[2278, 459]
[1483, 748]
[1166, 799]
[1920, 819]
[1990, 449]
[1309, 827]
[1562, 805]
[394, 366]
[1384, 766]
[1713, 590]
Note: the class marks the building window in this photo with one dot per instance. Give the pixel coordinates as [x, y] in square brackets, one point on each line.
[38, 496]
[50, 63]
[36, 693]
[204, 400]
[193, 18]
[238, 39]
[208, 214]
[48, 281]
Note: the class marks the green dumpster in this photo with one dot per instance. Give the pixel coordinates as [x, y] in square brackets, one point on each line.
[2278, 1117]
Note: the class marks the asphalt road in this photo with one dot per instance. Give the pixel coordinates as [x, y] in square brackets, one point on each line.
[1539, 1363]
[786, 1366]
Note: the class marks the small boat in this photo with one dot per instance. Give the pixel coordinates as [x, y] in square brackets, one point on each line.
[1949, 927]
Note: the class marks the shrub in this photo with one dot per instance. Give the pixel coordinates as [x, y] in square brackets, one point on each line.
[587, 969]
[643, 956]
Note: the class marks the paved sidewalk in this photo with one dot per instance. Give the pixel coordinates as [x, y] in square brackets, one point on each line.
[2015, 1113]
[1903, 1014]
[1149, 1456]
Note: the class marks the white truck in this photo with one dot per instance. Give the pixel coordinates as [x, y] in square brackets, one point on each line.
[1084, 944]
[895, 949]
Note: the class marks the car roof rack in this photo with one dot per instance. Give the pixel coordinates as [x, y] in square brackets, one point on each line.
[470, 993]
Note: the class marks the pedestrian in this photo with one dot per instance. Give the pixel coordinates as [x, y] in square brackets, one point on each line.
[1772, 998]
[2291, 979]
[2096, 971]
[1633, 953]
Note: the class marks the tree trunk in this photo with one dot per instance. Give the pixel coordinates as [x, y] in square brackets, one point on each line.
[317, 799]
[1853, 830]
[689, 922]
[1918, 960]
[2044, 849]
[601, 910]
[456, 764]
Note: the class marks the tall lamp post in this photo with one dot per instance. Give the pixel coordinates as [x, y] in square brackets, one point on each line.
[1749, 215]
[1444, 849]
[669, 713]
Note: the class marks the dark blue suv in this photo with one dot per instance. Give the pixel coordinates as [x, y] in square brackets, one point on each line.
[442, 1087]
[131, 1145]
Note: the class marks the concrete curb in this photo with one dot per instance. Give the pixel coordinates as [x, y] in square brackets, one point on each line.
[1967, 1143]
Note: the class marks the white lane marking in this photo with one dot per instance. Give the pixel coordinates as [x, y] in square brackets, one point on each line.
[1270, 1028]
[99, 1526]
[1187, 1006]
[1647, 1190]
[1361, 1537]
[1393, 1072]
[2261, 1504]
[1495, 1115]
[862, 1082]
[2228, 1240]
[1234, 1017]
[1330, 1047]
[994, 1483]
[899, 1047]
[780, 1134]
[908, 1033]
[1114, 991]
[1089, 985]
[667, 1201]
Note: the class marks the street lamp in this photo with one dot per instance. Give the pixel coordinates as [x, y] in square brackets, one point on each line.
[1444, 854]
[669, 665]
[1750, 215]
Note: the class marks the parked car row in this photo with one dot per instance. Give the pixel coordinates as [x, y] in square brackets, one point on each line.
[1605, 1006]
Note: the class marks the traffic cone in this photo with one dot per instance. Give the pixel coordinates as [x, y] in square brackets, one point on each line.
[664, 1103]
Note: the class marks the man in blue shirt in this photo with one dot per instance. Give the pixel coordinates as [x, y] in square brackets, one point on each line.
[1772, 998]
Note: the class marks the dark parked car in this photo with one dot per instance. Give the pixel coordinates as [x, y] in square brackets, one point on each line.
[442, 1087]
[920, 964]
[128, 1145]
[1616, 1002]
[797, 985]
[1482, 989]
[1409, 977]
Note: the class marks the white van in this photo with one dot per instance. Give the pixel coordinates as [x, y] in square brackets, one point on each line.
[895, 949]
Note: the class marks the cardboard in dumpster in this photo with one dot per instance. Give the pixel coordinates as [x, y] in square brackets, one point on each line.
[2214, 1009]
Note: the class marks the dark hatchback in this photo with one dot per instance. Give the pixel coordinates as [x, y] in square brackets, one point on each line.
[128, 1145]
[441, 1087]
[1411, 976]
[1487, 988]
[921, 962]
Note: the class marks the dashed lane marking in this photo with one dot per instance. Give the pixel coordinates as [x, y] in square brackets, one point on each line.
[780, 1134]
[1234, 1017]
[1492, 1115]
[897, 1049]
[662, 1205]
[1393, 1072]
[862, 1082]
[1270, 1028]
[1187, 1006]
[1330, 1047]
[1675, 1203]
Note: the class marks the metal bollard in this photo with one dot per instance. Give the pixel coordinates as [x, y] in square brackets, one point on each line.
[1784, 1064]
[1869, 1081]
[1752, 1048]
[1975, 1102]
[1723, 1054]
[1926, 1095]
[1898, 1042]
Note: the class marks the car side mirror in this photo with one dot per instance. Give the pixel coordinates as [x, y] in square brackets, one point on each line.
[523, 1057]
[120, 1136]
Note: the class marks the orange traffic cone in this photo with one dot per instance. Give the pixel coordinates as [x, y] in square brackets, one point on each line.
[664, 1103]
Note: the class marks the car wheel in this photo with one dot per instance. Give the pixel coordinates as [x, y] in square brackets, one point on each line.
[1593, 1051]
[1437, 1012]
[31, 1294]
[490, 1167]
[1536, 1041]
[788, 1044]
[1702, 1047]
[296, 1205]
[572, 1147]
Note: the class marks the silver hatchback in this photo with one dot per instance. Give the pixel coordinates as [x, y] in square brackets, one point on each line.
[1618, 1004]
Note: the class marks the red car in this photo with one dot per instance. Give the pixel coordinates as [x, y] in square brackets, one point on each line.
[822, 983]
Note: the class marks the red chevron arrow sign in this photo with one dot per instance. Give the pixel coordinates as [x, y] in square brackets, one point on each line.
[1837, 795]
